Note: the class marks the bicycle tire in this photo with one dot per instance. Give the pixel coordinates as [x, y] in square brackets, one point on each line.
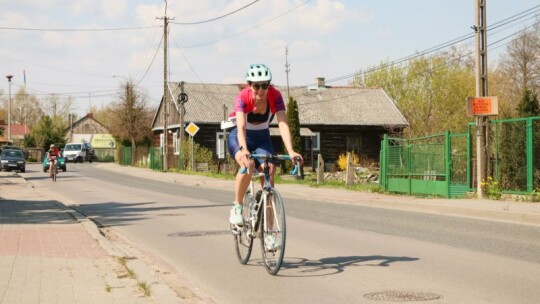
[243, 241]
[55, 172]
[273, 224]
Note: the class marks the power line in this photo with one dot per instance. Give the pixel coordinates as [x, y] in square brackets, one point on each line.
[77, 30]
[430, 69]
[151, 62]
[245, 31]
[444, 45]
[217, 18]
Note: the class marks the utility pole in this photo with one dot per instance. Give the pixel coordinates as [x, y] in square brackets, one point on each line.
[182, 99]
[165, 95]
[9, 107]
[70, 115]
[225, 139]
[287, 70]
[481, 91]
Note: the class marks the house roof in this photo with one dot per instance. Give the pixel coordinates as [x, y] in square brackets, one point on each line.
[16, 129]
[87, 117]
[319, 106]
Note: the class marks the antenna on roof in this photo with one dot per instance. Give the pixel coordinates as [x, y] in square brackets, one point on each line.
[287, 70]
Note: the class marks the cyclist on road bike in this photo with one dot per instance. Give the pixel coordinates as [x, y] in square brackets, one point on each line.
[254, 108]
[53, 154]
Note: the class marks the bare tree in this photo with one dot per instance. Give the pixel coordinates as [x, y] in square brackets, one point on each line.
[131, 117]
[57, 107]
[519, 69]
[25, 108]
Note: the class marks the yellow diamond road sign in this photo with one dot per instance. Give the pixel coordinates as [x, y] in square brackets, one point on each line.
[192, 129]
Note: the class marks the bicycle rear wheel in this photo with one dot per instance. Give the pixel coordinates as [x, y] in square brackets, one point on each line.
[273, 232]
[54, 171]
[243, 239]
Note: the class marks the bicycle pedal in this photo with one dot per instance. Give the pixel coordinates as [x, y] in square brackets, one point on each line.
[235, 230]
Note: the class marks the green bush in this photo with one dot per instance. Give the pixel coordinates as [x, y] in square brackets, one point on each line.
[201, 155]
[491, 188]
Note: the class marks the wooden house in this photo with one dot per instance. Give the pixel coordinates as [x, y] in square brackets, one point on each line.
[333, 120]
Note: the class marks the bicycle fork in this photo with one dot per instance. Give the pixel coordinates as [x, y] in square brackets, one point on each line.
[255, 215]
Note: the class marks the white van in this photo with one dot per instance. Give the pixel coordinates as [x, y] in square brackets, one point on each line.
[77, 152]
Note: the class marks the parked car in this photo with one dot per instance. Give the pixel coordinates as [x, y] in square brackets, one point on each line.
[9, 147]
[11, 159]
[79, 152]
[61, 163]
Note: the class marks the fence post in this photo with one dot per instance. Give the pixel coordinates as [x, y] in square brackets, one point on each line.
[320, 169]
[383, 162]
[448, 161]
[350, 170]
[530, 163]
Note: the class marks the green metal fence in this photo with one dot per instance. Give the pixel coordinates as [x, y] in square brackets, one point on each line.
[431, 165]
[515, 154]
[126, 156]
[143, 157]
[445, 164]
[156, 158]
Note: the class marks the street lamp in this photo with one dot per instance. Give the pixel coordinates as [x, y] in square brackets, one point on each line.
[116, 76]
[128, 82]
[9, 76]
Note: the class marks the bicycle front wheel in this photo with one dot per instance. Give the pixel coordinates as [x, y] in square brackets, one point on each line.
[54, 172]
[243, 238]
[273, 232]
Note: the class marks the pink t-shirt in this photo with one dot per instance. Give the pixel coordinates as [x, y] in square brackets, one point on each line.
[244, 102]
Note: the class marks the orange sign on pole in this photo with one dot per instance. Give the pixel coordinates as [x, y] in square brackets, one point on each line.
[482, 106]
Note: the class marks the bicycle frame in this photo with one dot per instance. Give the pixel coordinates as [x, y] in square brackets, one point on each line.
[270, 210]
[254, 205]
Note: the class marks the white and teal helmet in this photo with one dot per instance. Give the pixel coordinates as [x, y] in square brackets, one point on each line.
[258, 72]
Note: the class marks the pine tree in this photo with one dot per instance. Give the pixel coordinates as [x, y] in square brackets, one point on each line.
[528, 105]
[294, 124]
[512, 149]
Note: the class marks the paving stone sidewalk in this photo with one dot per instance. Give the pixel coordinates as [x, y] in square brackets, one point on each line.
[49, 254]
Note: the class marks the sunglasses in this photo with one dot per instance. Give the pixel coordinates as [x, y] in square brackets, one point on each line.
[258, 86]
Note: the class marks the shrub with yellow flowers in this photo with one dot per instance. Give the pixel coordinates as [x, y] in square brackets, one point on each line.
[535, 195]
[492, 189]
[342, 160]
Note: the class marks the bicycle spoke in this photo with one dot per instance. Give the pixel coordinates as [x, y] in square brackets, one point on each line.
[242, 238]
[274, 233]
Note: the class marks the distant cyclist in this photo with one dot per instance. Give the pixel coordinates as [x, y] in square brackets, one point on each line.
[53, 154]
[254, 108]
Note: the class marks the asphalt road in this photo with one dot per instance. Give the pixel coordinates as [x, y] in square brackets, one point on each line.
[336, 253]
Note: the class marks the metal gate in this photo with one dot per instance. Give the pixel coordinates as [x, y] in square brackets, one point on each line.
[433, 165]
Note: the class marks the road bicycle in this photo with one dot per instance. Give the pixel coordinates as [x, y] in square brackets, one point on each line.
[264, 218]
[54, 169]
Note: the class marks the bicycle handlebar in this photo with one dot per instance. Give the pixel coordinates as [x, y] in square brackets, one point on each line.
[243, 170]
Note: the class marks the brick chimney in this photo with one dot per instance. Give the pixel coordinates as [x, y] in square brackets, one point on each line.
[91, 115]
[320, 82]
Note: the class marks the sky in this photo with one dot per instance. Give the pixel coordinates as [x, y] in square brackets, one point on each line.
[72, 48]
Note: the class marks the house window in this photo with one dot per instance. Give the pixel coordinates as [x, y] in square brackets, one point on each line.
[220, 145]
[316, 144]
[161, 141]
[176, 143]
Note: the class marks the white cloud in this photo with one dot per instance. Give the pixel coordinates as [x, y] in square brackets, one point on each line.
[114, 9]
[147, 14]
[81, 7]
[307, 48]
[52, 40]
